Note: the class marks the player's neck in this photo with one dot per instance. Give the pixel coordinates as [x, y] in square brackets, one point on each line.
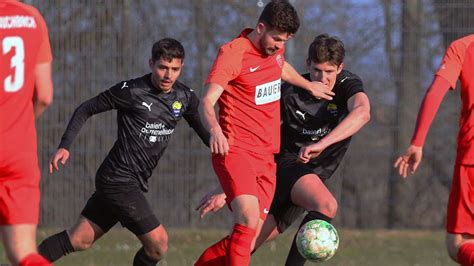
[254, 39]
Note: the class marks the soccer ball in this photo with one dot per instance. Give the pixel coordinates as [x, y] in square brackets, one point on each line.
[317, 240]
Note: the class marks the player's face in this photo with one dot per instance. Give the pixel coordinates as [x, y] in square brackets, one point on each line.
[271, 40]
[325, 73]
[164, 73]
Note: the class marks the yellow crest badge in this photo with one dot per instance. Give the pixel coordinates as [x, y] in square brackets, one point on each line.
[177, 105]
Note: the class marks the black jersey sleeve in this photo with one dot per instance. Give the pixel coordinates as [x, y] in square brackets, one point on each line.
[194, 120]
[116, 97]
[349, 84]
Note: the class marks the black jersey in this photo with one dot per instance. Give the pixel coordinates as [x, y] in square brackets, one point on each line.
[146, 120]
[306, 120]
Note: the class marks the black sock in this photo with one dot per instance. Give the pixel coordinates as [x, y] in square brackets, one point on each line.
[141, 259]
[294, 257]
[56, 246]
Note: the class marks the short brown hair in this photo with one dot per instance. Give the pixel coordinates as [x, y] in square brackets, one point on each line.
[280, 15]
[167, 49]
[325, 48]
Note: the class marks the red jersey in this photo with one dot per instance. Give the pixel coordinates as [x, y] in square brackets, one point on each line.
[458, 63]
[249, 113]
[24, 43]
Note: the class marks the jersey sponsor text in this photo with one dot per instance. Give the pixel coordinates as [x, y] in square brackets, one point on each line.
[268, 92]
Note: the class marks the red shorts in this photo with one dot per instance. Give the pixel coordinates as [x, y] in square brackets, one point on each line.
[246, 173]
[19, 189]
[460, 217]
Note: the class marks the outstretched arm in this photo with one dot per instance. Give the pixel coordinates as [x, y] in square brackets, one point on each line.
[429, 107]
[359, 115]
[315, 88]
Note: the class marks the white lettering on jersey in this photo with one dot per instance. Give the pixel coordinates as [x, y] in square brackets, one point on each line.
[15, 22]
[268, 92]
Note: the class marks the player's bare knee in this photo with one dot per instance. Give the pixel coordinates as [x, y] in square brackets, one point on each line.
[250, 221]
[453, 242]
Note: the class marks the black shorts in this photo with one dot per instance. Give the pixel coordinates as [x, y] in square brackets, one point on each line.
[288, 172]
[130, 208]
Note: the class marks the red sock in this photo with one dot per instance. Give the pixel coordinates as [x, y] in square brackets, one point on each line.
[466, 254]
[34, 259]
[239, 246]
[215, 254]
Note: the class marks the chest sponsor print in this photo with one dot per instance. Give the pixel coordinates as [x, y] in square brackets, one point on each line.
[268, 92]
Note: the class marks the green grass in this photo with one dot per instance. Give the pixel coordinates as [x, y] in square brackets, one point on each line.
[370, 247]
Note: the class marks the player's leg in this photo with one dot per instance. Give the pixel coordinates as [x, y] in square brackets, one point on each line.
[310, 193]
[135, 213]
[461, 248]
[460, 224]
[19, 211]
[20, 245]
[155, 245]
[95, 220]
[268, 232]
[238, 173]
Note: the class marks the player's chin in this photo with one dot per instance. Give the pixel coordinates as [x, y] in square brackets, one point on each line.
[270, 51]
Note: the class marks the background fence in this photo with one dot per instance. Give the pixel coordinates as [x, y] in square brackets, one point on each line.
[394, 45]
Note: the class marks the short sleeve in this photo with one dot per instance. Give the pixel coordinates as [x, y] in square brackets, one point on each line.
[451, 65]
[227, 65]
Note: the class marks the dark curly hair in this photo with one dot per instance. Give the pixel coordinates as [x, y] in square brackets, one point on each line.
[280, 15]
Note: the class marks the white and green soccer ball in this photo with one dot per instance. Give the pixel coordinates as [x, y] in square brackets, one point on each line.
[317, 240]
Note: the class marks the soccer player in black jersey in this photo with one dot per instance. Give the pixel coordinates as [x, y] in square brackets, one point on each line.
[148, 109]
[315, 134]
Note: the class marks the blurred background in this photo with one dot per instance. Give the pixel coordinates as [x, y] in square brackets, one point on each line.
[395, 46]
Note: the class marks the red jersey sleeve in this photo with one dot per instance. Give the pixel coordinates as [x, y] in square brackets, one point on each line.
[452, 62]
[227, 65]
[44, 52]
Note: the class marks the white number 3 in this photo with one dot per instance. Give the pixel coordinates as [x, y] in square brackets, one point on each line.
[14, 82]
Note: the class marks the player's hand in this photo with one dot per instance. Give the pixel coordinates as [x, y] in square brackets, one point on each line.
[409, 161]
[320, 91]
[309, 152]
[62, 155]
[218, 142]
[211, 202]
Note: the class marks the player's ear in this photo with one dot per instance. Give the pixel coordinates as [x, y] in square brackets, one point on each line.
[150, 63]
[339, 69]
[260, 28]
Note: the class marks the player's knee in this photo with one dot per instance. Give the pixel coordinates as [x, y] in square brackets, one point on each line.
[81, 243]
[453, 242]
[329, 207]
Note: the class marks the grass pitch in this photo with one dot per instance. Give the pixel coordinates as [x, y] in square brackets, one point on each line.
[364, 248]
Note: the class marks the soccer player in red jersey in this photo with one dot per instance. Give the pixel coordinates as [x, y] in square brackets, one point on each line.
[245, 80]
[315, 135]
[458, 63]
[26, 89]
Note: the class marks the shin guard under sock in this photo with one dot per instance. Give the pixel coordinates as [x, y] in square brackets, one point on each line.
[239, 246]
[56, 246]
[294, 257]
[34, 259]
[141, 259]
[214, 255]
[466, 254]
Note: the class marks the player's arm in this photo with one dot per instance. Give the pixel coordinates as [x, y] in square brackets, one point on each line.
[194, 120]
[359, 115]
[43, 96]
[217, 142]
[429, 107]
[114, 98]
[317, 89]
